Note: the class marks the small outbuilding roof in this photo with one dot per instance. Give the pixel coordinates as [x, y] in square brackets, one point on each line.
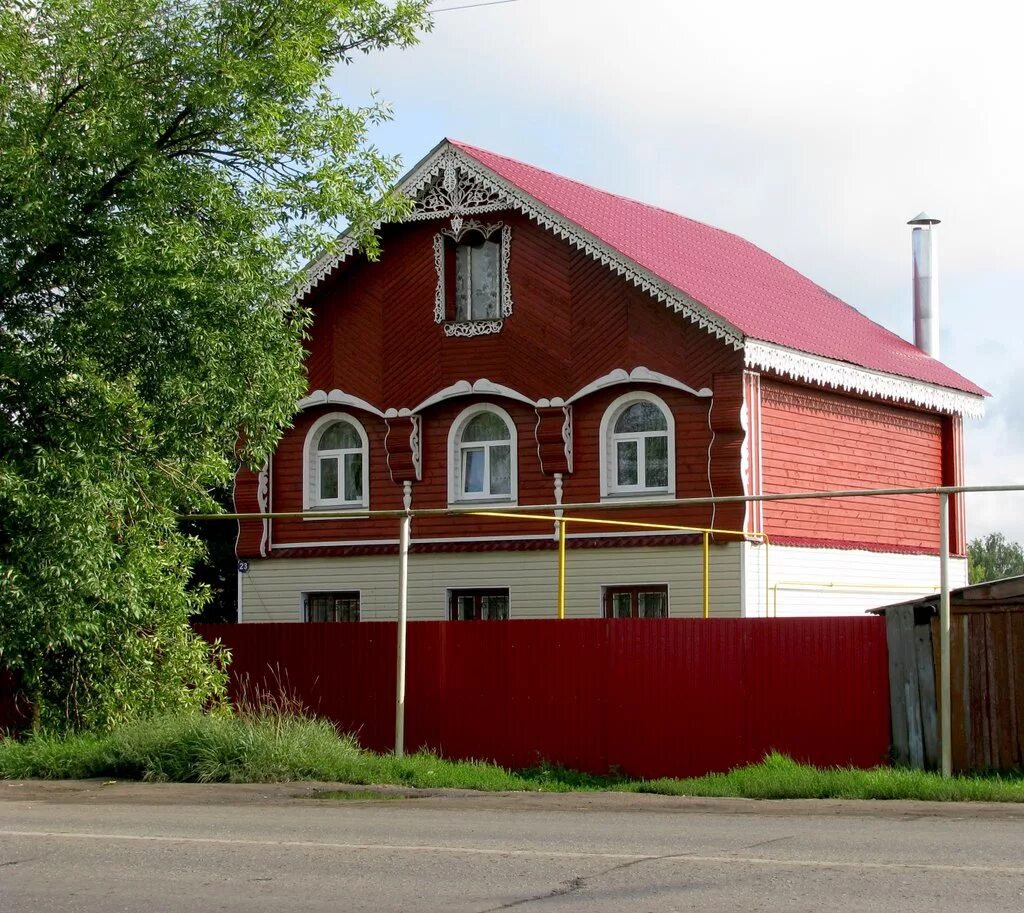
[1007, 593]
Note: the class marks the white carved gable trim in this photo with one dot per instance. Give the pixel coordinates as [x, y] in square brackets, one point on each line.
[453, 190]
[450, 184]
[841, 375]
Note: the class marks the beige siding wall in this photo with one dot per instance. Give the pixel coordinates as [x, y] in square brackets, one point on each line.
[829, 581]
[272, 590]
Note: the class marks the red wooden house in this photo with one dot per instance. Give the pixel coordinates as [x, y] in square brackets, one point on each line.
[526, 339]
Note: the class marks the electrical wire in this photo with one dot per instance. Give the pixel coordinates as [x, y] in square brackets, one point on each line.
[470, 6]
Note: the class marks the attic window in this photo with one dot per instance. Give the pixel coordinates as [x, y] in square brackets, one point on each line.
[476, 278]
[473, 295]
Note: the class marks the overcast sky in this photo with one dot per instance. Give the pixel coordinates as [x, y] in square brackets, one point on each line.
[813, 129]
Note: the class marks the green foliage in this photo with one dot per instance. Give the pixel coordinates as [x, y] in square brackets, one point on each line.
[166, 166]
[217, 572]
[266, 745]
[994, 557]
[252, 746]
[779, 777]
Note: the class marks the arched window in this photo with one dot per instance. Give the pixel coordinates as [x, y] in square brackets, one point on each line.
[337, 463]
[482, 456]
[638, 448]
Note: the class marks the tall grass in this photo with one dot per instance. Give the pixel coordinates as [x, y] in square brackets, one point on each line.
[779, 777]
[246, 747]
[263, 743]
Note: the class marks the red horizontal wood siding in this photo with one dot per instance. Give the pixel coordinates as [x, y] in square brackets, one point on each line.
[647, 697]
[287, 485]
[374, 336]
[692, 438]
[817, 441]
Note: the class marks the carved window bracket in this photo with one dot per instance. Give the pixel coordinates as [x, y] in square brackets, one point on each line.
[467, 328]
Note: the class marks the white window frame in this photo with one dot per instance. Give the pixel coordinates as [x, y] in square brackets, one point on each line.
[311, 499]
[456, 451]
[609, 443]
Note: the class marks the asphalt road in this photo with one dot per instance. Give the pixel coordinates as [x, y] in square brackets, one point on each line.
[101, 848]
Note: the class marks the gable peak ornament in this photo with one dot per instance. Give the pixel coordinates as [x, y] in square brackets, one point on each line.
[455, 191]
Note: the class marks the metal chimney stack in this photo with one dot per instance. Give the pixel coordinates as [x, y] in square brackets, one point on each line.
[926, 284]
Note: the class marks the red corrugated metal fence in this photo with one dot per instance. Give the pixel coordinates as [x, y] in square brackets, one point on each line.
[648, 697]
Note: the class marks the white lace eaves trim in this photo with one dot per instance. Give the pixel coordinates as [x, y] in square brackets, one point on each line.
[841, 375]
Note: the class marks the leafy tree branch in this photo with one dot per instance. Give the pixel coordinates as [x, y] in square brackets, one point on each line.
[167, 167]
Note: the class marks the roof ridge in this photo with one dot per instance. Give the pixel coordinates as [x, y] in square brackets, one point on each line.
[609, 193]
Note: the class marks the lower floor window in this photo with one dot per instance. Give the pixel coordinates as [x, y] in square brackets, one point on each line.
[486, 604]
[342, 606]
[636, 601]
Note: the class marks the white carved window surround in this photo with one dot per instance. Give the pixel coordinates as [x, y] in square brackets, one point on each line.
[482, 457]
[638, 448]
[475, 256]
[336, 463]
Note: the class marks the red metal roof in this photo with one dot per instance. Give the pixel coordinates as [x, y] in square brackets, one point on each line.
[749, 288]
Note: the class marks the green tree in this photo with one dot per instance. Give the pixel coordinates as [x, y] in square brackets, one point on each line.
[993, 557]
[165, 167]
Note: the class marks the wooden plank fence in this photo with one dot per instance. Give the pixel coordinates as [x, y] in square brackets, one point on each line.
[987, 678]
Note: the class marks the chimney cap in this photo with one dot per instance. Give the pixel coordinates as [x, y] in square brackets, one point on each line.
[923, 219]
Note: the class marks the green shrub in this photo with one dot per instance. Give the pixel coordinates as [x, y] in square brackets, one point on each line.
[274, 742]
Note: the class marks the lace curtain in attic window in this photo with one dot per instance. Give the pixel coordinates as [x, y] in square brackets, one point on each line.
[477, 289]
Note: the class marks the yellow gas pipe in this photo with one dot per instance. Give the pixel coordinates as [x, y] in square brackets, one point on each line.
[562, 523]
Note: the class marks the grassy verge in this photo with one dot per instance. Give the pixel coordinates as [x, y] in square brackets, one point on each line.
[778, 777]
[258, 747]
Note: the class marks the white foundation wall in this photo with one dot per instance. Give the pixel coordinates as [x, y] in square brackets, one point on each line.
[829, 581]
[272, 589]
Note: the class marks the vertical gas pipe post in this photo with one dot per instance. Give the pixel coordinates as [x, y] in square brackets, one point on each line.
[707, 575]
[946, 712]
[403, 616]
[561, 567]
